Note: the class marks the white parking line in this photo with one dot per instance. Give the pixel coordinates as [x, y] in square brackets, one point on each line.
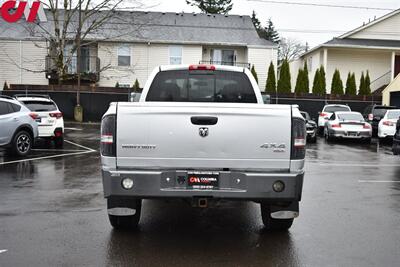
[3, 250]
[355, 164]
[58, 150]
[72, 129]
[75, 152]
[377, 181]
[47, 157]
[78, 145]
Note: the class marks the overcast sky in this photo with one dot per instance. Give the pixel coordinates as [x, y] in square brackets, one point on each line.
[297, 21]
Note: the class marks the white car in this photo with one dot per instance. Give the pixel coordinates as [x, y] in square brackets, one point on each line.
[50, 119]
[347, 125]
[387, 125]
[327, 112]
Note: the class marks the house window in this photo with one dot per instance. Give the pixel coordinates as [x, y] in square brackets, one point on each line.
[175, 55]
[223, 57]
[124, 56]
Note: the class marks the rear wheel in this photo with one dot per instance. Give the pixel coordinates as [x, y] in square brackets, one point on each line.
[124, 222]
[59, 142]
[271, 223]
[22, 143]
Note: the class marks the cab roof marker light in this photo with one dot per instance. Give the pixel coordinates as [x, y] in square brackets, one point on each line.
[202, 67]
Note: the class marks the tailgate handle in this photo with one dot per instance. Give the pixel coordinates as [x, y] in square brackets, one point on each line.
[203, 120]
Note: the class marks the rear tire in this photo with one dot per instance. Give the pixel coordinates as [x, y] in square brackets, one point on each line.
[124, 222]
[313, 139]
[21, 143]
[59, 142]
[271, 223]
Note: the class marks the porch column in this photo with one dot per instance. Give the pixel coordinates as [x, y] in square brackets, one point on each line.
[393, 65]
[326, 59]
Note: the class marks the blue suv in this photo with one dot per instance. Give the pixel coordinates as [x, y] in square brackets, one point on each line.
[18, 128]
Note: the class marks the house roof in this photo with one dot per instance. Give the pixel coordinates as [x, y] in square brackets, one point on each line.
[345, 40]
[349, 42]
[367, 25]
[157, 27]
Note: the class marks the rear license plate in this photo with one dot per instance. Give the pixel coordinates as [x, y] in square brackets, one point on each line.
[352, 134]
[38, 120]
[203, 179]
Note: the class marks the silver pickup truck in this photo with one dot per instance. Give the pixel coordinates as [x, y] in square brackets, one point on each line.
[202, 133]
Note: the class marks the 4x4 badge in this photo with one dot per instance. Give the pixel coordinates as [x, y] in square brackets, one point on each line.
[203, 131]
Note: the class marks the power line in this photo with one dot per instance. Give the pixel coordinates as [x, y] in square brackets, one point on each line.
[321, 5]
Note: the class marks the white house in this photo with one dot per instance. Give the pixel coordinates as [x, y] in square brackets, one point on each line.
[148, 39]
[373, 47]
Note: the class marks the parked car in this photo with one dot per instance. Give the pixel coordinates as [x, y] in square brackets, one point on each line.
[18, 129]
[134, 97]
[266, 99]
[50, 119]
[327, 112]
[347, 125]
[311, 127]
[396, 139]
[373, 115]
[202, 133]
[387, 125]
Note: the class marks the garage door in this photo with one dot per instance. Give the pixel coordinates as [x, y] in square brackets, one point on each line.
[395, 99]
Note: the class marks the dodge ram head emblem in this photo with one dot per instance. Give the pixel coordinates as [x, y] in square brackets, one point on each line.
[203, 132]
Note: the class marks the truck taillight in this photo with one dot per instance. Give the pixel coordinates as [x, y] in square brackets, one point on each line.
[107, 140]
[298, 139]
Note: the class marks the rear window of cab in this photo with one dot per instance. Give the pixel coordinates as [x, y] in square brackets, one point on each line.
[201, 86]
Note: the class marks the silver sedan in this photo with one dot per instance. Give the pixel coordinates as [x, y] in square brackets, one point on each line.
[347, 125]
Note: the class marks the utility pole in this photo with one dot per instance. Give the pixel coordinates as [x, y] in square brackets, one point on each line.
[78, 53]
[78, 110]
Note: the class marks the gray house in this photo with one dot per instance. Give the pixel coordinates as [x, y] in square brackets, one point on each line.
[129, 50]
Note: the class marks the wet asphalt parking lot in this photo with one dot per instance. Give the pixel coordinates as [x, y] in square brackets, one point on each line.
[52, 213]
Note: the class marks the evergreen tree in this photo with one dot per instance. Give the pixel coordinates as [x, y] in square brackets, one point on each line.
[253, 71]
[256, 21]
[270, 33]
[299, 82]
[337, 84]
[367, 84]
[117, 85]
[284, 85]
[306, 79]
[322, 80]
[5, 86]
[270, 87]
[212, 6]
[362, 88]
[351, 88]
[136, 86]
[317, 87]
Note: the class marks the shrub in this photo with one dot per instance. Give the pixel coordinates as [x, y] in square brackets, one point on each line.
[253, 71]
[270, 86]
[337, 84]
[284, 85]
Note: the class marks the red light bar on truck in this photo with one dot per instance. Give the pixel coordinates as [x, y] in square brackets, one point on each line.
[201, 67]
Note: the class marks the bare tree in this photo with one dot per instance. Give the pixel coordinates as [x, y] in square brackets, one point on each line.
[290, 48]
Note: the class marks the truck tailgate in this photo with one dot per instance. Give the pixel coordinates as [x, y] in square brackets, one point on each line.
[246, 136]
